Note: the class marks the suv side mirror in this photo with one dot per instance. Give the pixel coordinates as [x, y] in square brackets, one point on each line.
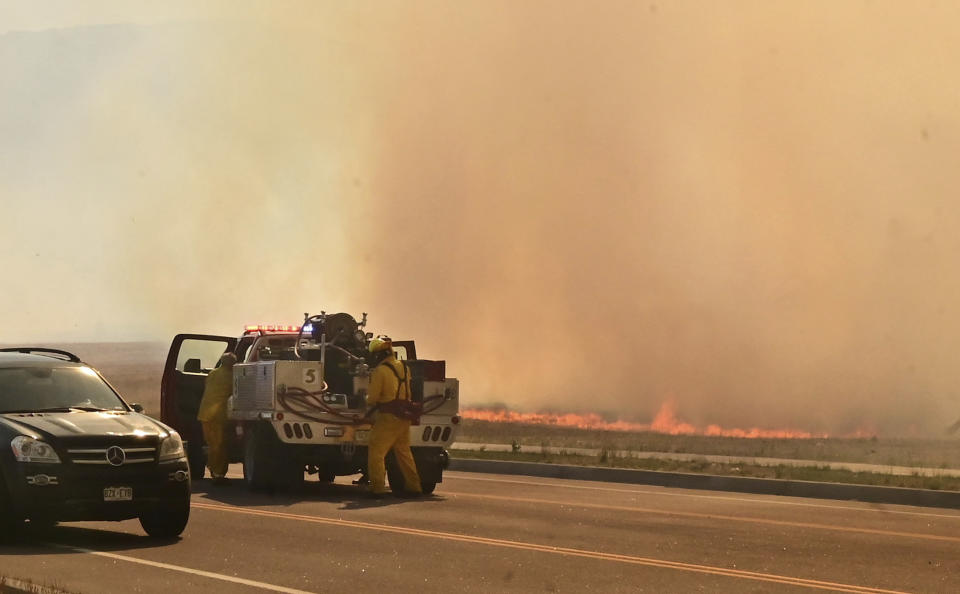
[137, 407]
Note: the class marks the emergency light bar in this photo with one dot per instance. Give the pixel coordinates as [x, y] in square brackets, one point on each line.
[270, 328]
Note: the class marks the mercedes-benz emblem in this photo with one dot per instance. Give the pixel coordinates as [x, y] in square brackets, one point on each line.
[116, 455]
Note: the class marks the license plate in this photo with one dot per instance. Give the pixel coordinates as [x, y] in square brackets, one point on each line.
[362, 435]
[118, 493]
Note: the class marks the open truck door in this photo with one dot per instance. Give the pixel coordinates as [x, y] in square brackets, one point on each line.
[190, 359]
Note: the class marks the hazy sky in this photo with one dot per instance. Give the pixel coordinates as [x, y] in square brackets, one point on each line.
[747, 207]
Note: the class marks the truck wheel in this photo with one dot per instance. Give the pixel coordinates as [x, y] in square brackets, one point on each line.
[259, 460]
[289, 472]
[397, 482]
[168, 519]
[197, 461]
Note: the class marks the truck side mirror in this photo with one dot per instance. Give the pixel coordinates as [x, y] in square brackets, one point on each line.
[138, 408]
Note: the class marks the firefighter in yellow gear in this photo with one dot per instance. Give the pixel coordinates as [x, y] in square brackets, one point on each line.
[213, 416]
[389, 381]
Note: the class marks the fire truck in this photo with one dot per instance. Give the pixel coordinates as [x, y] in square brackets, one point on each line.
[299, 402]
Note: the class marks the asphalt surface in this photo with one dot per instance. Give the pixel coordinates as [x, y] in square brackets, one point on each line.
[495, 533]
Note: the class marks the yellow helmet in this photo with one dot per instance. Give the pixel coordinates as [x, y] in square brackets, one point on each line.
[381, 344]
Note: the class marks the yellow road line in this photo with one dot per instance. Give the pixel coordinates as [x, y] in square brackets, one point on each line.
[665, 512]
[646, 561]
[674, 492]
[769, 522]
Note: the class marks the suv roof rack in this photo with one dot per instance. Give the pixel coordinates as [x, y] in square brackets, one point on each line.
[57, 353]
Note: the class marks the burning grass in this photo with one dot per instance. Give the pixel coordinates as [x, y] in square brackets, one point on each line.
[927, 453]
[665, 421]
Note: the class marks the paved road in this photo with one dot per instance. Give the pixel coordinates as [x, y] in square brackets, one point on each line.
[490, 533]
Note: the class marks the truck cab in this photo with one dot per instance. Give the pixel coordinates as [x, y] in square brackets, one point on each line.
[298, 407]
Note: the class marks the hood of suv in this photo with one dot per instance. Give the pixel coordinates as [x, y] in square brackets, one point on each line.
[71, 424]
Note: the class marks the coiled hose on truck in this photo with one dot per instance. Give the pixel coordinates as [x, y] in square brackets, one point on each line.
[312, 404]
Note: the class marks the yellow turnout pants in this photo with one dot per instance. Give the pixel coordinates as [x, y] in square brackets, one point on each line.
[391, 432]
[214, 433]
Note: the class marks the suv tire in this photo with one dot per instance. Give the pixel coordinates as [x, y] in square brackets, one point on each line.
[167, 520]
[9, 524]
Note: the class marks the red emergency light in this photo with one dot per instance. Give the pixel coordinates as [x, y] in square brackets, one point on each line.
[270, 328]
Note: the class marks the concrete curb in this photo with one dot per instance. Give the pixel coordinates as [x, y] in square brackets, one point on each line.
[10, 585]
[761, 486]
[721, 459]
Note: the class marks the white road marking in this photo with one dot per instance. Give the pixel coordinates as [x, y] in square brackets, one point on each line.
[672, 493]
[180, 568]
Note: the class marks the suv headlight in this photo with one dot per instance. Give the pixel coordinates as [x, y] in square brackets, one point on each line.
[28, 449]
[171, 448]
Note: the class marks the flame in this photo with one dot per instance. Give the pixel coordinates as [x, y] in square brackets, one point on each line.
[587, 421]
[665, 421]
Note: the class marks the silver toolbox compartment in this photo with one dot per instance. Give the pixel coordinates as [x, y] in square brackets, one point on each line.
[255, 385]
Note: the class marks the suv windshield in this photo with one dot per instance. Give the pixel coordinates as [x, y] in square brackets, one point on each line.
[25, 389]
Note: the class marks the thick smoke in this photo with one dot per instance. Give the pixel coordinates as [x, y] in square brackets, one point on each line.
[745, 209]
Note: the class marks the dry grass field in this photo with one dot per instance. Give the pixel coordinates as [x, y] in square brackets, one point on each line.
[928, 453]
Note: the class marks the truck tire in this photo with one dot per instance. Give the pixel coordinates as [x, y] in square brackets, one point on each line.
[397, 482]
[288, 475]
[167, 519]
[259, 459]
[197, 460]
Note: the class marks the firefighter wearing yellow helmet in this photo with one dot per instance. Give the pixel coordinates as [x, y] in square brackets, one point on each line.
[389, 392]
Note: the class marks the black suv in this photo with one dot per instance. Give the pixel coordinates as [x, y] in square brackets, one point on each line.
[71, 449]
